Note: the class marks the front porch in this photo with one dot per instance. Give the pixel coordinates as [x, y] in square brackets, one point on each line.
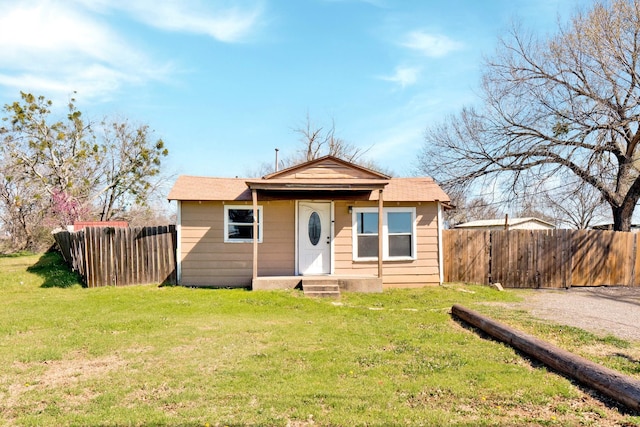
[345, 283]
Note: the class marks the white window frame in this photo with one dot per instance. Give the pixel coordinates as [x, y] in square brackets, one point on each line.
[227, 239]
[354, 232]
[385, 233]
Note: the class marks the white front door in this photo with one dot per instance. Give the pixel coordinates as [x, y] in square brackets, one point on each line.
[314, 237]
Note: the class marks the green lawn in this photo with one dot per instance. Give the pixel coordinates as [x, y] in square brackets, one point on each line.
[150, 355]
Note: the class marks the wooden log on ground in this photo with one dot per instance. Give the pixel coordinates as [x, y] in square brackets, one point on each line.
[619, 387]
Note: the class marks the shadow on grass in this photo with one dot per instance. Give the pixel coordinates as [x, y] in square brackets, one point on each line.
[55, 272]
[16, 254]
[537, 364]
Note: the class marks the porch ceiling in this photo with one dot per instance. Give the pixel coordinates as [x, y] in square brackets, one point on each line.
[361, 195]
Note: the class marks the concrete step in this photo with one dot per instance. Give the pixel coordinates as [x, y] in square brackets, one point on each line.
[322, 294]
[322, 288]
[322, 281]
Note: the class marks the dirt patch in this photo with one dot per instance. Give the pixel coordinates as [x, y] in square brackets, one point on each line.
[62, 373]
[603, 310]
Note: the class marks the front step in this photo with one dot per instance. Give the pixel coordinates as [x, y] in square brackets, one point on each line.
[321, 288]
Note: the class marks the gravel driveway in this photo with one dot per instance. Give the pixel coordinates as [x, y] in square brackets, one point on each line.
[602, 310]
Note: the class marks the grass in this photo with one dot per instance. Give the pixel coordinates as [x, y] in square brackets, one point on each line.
[150, 355]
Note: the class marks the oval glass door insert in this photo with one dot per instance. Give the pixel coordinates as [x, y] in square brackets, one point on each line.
[315, 228]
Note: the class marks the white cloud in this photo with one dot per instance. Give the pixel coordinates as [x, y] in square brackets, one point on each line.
[54, 47]
[404, 76]
[431, 45]
[61, 46]
[34, 29]
[227, 24]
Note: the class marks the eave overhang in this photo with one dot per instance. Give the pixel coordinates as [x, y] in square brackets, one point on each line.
[346, 186]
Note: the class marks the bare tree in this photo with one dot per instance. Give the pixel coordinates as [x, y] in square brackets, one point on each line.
[264, 168]
[318, 141]
[567, 105]
[315, 142]
[535, 208]
[469, 208]
[129, 166]
[576, 206]
[22, 212]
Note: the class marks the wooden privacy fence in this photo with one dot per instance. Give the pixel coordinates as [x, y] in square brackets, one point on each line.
[108, 256]
[542, 258]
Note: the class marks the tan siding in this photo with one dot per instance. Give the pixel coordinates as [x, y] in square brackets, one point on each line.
[219, 281]
[342, 239]
[420, 272]
[411, 281]
[208, 261]
[205, 246]
[276, 255]
[213, 233]
[223, 272]
[326, 169]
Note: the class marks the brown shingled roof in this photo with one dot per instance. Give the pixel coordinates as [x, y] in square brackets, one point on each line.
[420, 189]
[205, 188]
[324, 177]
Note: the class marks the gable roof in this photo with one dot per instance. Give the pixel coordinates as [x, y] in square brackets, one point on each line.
[329, 167]
[236, 189]
[417, 189]
[327, 174]
[209, 188]
[487, 223]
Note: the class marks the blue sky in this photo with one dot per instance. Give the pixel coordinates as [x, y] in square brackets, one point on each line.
[224, 83]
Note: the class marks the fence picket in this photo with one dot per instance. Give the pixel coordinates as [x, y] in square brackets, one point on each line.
[107, 256]
[543, 258]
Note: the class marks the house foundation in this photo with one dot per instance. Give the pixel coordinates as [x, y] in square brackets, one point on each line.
[345, 283]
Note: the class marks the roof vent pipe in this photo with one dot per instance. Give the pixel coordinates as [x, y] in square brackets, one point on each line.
[277, 160]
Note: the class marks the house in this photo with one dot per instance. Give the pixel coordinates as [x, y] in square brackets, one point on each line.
[81, 225]
[528, 223]
[319, 219]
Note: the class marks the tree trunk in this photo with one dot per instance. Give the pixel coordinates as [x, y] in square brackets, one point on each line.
[622, 217]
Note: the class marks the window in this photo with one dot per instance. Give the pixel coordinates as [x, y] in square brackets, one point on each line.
[366, 235]
[315, 228]
[398, 234]
[238, 224]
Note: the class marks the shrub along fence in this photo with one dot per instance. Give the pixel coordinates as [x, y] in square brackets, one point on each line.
[108, 256]
[542, 258]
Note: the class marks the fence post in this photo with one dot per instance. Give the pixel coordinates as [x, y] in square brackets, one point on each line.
[113, 256]
[542, 258]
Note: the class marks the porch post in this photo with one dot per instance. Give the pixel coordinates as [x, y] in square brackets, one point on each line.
[380, 221]
[254, 199]
[440, 245]
[178, 243]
